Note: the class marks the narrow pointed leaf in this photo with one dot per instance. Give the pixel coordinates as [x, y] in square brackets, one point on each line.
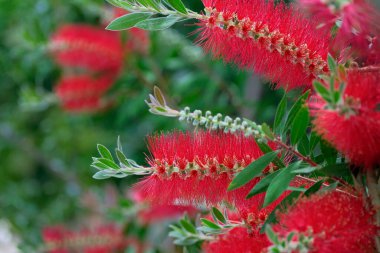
[109, 163]
[314, 188]
[266, 149]
[218, 215]
[178, 5]
[251, 171]
[155, 24]
[210, 224]
[322, 90]
[127, 21]
[280, 113]
[262, 185]
[280, 183]
[104, 152]
[300, 124]
[295, 108]
[188, 226]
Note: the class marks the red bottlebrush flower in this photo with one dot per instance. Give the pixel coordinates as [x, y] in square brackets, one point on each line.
[197, 167]
[354, 128]
[336, 222]
[238, 240]
[82, 93]
[153, 213]
[158, 213]
[87, 47]
[274, 40]
[102, 239]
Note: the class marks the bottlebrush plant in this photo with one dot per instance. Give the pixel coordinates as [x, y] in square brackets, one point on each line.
[309, 182]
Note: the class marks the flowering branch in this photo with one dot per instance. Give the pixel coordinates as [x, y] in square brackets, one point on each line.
[109, 168]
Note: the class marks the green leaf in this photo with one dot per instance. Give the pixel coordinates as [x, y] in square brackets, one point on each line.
[332, 64]
[120, 4]
[99, 165]
[280, 183]
[299, 126]
[188, 226]
[314, 140]
[303, 145]
[271, 235]
[331, 187]
[280, 113]
[121, 157]
[104, 152]
[266, 149]
[127, 21]
[305, 170]
[218, 215]
[262, 185]
[210, 224]
[109, 163]
[119, 146]
[322, 90]
[155, 24]
[178, 5]
[295, 108]
[252, 170]
[314, 188]
[268, 132]
[150, 3]
[337, 170]
[328, 151]
[101, 175]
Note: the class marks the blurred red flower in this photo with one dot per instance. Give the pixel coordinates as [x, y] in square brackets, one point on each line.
[358, 26]
[101, 239]
[87, 47]
[82, 93]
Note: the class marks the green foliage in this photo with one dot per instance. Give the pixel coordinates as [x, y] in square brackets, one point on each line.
[251, 171]
[127, 21]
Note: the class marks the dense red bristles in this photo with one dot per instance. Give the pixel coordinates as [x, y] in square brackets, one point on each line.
[82, 92]
[273, 40]
[101, 239]
[203, 147]
[336, 221]
[238, 240]
[197, 168]
[87, 47]
[356, 133]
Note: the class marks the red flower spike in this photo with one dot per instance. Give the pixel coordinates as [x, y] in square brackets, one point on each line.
[87, 47]
[273, 40]
[195, 168]
[154, 213]
[354, 129]
[238, 240]
[336, 221]
[102, 239]
[82, 93]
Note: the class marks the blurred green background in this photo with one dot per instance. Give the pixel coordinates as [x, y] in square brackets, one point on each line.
[45, 152]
